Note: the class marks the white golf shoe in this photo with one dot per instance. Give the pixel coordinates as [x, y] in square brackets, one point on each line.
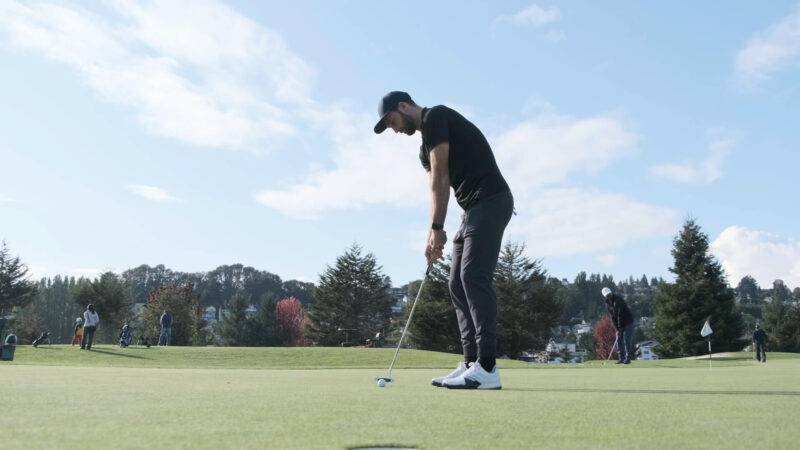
[476, 377]
[461, 368]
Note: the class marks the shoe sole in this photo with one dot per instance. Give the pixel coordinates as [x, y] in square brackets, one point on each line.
[474, 388]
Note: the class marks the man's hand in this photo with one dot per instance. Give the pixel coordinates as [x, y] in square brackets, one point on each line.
[434, 251]
[618, 333]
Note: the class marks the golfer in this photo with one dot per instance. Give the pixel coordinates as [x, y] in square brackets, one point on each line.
[90, 322]
[455, 154]
[165, 337]
[623, 322]
[759, 344]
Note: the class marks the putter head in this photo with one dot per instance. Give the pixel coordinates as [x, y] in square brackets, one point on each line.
[386, 379]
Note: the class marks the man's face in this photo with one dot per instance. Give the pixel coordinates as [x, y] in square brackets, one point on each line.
[400, 123]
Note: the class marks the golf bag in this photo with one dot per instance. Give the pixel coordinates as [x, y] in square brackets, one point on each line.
[44, 337]
[125, 336]
[143, 340]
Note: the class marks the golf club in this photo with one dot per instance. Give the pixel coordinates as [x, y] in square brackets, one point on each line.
[616, 339]
[388, 378]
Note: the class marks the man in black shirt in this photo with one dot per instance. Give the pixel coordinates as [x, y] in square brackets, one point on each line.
[456, 154]
[623, 322]
[759, 344]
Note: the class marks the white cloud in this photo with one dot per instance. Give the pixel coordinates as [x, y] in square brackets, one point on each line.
[5, 199]
[533, 15]
[548, 148]
[191, 70]
[702, 172]
[764, 256]
[384, 169]
[770, 51]
[562, 222]
[368, 169]
[153, 193]
[374, 169]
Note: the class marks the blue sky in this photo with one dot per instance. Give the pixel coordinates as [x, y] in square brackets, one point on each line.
[201, 133]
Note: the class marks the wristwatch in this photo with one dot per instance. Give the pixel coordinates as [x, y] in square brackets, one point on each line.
[437, 226]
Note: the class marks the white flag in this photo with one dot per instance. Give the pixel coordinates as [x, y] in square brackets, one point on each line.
[706, 330]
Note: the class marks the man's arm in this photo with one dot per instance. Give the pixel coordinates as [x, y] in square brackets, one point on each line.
[439, 178]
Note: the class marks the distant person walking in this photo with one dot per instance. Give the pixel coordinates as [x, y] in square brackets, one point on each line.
[90, 322]
[759, 344]
[165, 338]
[622, 318]
[77, 331]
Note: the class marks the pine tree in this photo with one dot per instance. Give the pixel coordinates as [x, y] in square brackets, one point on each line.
[15, 289]
[262, 327]
[233, 327]
[434, 325]
[351, 295]
[700, 292]
[526, 302]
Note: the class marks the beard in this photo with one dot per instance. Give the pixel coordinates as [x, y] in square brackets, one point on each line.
[409, 127]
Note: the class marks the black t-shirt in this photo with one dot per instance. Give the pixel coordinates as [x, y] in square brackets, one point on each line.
[473, 171]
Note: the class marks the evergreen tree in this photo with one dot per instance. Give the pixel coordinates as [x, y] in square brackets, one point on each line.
[15, 289]
[748, 291]
[55, 310]
[434, 326]
[110, 296]
[262, 327]
[700, 292]
[527, 305]
[233, 328]
[350, 295]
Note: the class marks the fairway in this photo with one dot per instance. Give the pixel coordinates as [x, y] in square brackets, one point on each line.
[185, 398]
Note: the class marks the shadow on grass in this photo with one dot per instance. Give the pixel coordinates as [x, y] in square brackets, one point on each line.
[657, 391]
[106, 352]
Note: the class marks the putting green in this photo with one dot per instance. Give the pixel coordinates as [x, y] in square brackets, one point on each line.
[663, 404]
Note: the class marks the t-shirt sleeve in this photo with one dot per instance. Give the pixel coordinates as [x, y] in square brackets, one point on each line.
[438, 126]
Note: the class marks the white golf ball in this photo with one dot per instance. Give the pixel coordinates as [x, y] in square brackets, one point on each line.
[381, 383]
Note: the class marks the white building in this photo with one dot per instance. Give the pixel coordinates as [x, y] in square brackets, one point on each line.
[646, 350]
[210, 314]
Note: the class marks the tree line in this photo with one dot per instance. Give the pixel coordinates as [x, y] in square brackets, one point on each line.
[352, 303]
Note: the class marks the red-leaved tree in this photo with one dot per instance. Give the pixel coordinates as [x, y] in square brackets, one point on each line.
[605, 333]
[289, 322]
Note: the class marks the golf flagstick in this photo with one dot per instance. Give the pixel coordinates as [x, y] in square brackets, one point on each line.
[706, 332]
[388, 378]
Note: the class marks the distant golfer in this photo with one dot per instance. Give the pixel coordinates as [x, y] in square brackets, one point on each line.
[759, 344]
[165, 337]
[90, 322]
[623, 322]
[77, 331]
[456, 154]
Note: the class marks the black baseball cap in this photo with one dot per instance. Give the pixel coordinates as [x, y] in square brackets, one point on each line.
[389, 104]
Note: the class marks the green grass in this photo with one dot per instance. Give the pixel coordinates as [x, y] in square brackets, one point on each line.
[61, 397]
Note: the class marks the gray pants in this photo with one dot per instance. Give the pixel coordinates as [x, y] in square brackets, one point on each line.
[476, 247]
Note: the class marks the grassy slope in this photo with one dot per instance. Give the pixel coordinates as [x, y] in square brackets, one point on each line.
[57, 401]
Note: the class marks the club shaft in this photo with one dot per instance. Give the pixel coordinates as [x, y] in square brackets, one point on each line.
[611, 352]
[408, 322]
